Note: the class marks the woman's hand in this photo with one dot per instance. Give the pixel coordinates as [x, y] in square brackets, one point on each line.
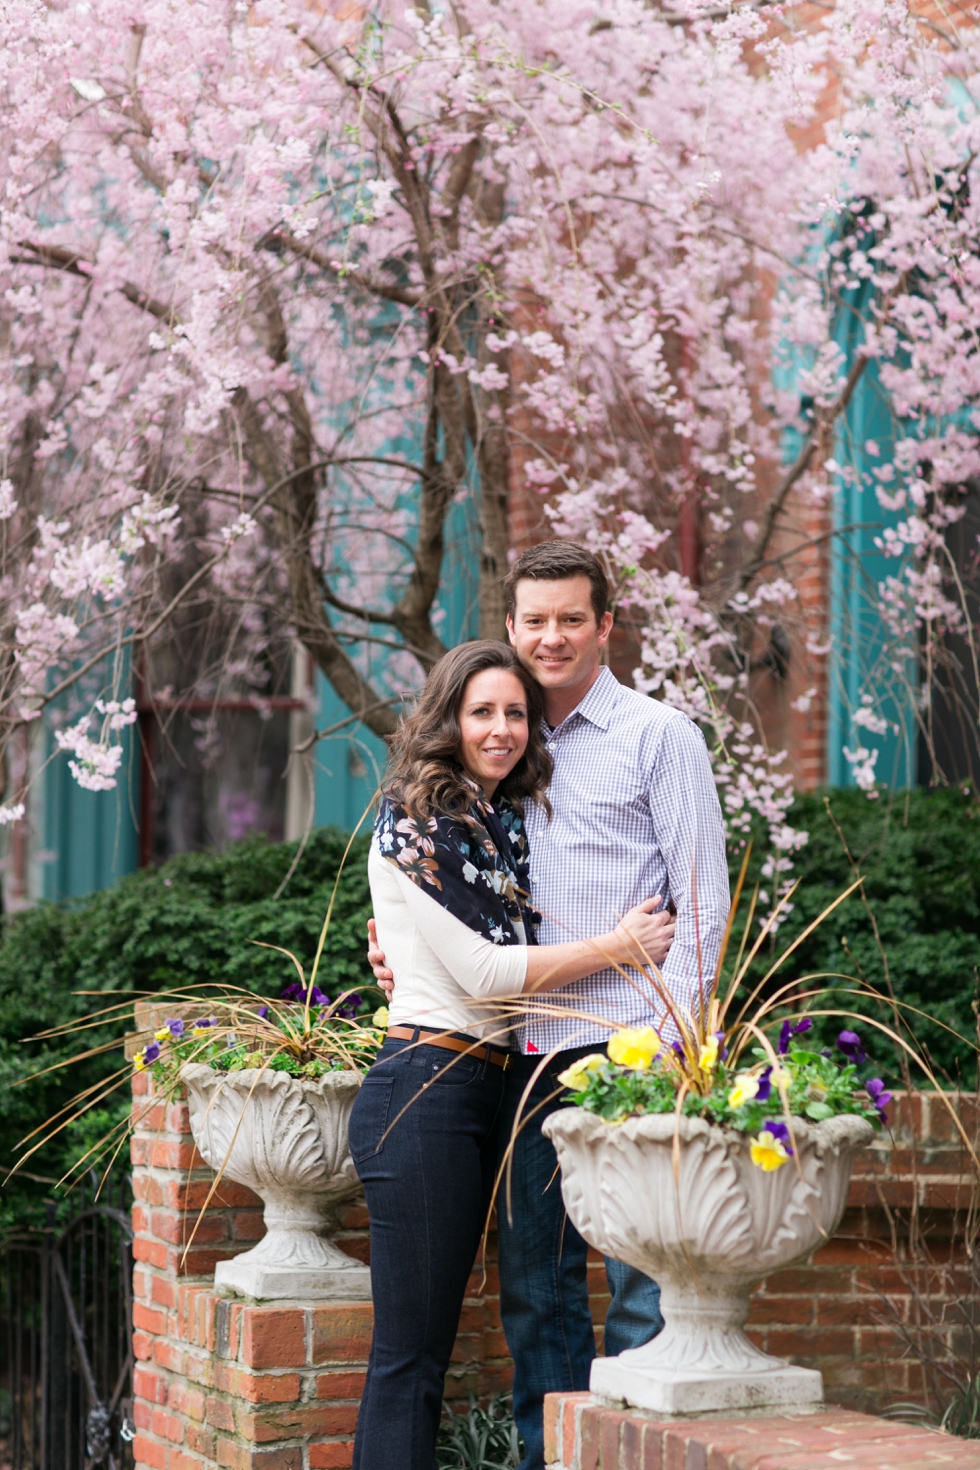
[376, 959]
[644, 935]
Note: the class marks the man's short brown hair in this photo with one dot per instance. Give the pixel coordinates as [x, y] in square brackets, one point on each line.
[556, 561]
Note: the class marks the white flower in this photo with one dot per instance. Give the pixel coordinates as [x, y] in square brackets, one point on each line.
[244, 525]
[381, 191]
[7, 502]
[86, 87]
[11, 813]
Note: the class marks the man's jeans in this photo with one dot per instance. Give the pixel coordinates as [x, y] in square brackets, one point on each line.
[427, 1160]
[544, 1297]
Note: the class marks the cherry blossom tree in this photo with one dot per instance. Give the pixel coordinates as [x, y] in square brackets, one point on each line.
[285, 282]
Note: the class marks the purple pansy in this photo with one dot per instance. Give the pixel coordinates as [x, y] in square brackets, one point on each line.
[779, 1131]
[765, 1086]
[875, 1089]
[204, 1023]
[175, 1026]
[151, 1052]
[849, 1042]
[298, 992]
[788, 1030]
[350, 1007]
[262, 1012]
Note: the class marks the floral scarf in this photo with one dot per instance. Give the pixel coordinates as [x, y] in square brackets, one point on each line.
[476, 865]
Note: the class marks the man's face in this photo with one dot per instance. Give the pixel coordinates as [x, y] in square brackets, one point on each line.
[555, 633]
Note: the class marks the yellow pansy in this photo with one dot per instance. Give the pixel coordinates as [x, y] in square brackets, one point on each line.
[635, 1049]
[768, 1152]
[745, 1089]
[162, 1035]
[708, 1059]
[138, 1062]
[380, 1018]
[577, 1075]
[780, 1076]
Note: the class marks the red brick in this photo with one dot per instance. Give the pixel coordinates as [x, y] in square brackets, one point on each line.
[142, 1346]
[197, 1261]
[233, 1456]
[274, 1337]
[566, 1424]
[296, 1421]
[179, 1460]
[283, 1457]
[588, 1438]
[167, 1154]
[783, 1309]
[247, 1225]
[342, 1333]
[153, 1252]
[191, 1194]
[340, 1385]
[179, 1229]
[201, 1440]
[164, 1292]
[265, 1388]
[221, 1413]
[806, 1342]
[336, 1456]
[148, 1452]
[148, 1189]
[149, 1386]
[148, 1319]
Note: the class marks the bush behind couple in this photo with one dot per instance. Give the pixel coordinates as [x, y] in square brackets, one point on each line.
[530, 797]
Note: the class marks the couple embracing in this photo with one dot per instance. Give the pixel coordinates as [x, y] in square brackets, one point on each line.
[539, 823]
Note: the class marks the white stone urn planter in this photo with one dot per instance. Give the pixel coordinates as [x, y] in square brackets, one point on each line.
[285, 1138]
[708, 1236]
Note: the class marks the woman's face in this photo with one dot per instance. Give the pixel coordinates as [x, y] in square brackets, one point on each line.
[493, 727]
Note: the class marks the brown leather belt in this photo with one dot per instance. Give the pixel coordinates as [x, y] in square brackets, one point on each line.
[475, 1049]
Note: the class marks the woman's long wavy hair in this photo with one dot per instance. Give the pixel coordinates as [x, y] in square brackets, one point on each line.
[424, 772]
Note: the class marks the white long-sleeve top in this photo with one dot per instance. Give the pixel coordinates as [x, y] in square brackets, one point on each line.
[440, 965]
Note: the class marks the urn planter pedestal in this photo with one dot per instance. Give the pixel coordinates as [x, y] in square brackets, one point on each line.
[707, 1235]
[286, 1139]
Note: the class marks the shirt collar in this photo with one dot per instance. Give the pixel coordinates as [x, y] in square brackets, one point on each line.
[598, 704]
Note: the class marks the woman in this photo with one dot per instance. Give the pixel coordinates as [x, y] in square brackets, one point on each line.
[449, 885]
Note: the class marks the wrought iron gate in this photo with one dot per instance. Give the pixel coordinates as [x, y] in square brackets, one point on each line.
[66, 1346]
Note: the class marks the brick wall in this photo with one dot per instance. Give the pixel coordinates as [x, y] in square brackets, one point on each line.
[223, 1383]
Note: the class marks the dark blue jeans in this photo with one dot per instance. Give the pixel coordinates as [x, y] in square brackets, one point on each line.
[544, 1295]
[428, 1177]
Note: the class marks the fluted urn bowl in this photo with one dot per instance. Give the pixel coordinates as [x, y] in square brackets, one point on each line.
[286, 1139]
[708, 1233]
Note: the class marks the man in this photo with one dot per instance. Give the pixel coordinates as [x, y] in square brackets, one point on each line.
[636, 813]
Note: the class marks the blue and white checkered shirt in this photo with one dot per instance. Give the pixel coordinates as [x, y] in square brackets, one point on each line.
[636, 812]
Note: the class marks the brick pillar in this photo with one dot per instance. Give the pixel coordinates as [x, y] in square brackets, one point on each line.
[220, 1381]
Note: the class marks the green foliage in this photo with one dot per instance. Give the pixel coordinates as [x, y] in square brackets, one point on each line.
[919, 853]
[189, 922]
[818, 1087]
[480, 1439]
